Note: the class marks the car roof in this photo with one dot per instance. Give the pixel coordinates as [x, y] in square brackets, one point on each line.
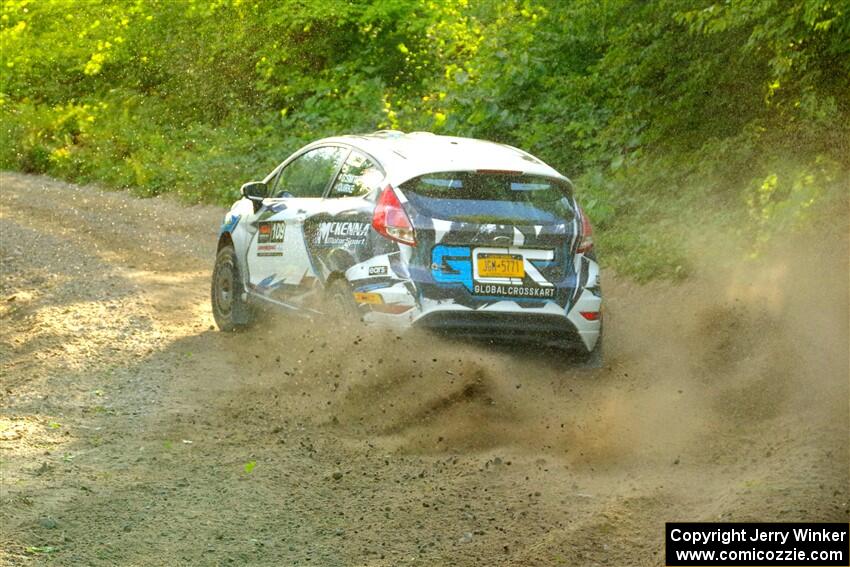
[407, 155]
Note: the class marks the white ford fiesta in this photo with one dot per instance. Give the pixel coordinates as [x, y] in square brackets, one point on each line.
[453, 235]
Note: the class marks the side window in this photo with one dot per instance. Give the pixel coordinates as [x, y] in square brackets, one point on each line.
[358, 176]
[309, 174]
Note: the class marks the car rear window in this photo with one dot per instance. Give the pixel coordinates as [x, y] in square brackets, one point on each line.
[492, 197]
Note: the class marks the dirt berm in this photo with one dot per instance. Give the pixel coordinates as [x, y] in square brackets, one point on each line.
[133, 433]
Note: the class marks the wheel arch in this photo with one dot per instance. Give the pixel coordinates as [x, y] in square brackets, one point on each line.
[335, 276]
[225, 239]
[337, 263]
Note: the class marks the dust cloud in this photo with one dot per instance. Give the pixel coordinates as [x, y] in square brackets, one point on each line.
[744, 351]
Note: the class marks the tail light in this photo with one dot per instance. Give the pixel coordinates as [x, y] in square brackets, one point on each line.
[585, 245]
[591, 315]
[390, 220]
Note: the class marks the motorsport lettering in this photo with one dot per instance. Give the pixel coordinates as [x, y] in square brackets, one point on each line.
[457, 264]
[342, 233]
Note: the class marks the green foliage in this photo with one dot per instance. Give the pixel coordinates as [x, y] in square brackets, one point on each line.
[662, 111]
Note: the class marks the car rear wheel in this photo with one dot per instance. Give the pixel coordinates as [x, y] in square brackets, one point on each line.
[230, 311]
[341, 303]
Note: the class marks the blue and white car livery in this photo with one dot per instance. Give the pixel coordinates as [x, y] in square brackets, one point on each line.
[415, 230]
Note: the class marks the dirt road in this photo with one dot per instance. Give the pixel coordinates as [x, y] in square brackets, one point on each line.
[133, 433]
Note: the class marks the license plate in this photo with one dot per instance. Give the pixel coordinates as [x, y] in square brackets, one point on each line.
[500, 266]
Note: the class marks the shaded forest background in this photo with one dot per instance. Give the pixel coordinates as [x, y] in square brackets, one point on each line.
[674, 117]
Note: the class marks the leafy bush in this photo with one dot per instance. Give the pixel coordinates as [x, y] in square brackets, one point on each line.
[664, 112]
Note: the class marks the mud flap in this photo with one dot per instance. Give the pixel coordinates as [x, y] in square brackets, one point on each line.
[242, 310]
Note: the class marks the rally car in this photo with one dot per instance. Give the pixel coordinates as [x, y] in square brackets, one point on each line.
[455, 235]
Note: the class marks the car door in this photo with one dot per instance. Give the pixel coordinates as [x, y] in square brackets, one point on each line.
[338, 237]
[279, 265]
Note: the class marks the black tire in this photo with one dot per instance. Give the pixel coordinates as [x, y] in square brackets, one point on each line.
[230, 311]
[341, 304]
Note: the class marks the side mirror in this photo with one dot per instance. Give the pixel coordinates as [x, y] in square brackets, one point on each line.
[254, 190]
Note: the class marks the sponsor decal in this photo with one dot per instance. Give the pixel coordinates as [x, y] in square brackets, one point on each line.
[377, 270]
[367, 298]
[270, 237]
[345, 184]
[338, 233]
[271, 232]
[514, 291]
[495, 272]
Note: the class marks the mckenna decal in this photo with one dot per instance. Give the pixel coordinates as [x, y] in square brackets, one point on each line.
[336, 233]
[501, 272]
[377, 270]
[270, 237]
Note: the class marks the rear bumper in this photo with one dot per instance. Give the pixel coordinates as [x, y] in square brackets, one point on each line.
[503, 320]
[504, 327]
[506, 322]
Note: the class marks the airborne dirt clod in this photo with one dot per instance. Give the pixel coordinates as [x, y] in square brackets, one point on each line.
[133, 433]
